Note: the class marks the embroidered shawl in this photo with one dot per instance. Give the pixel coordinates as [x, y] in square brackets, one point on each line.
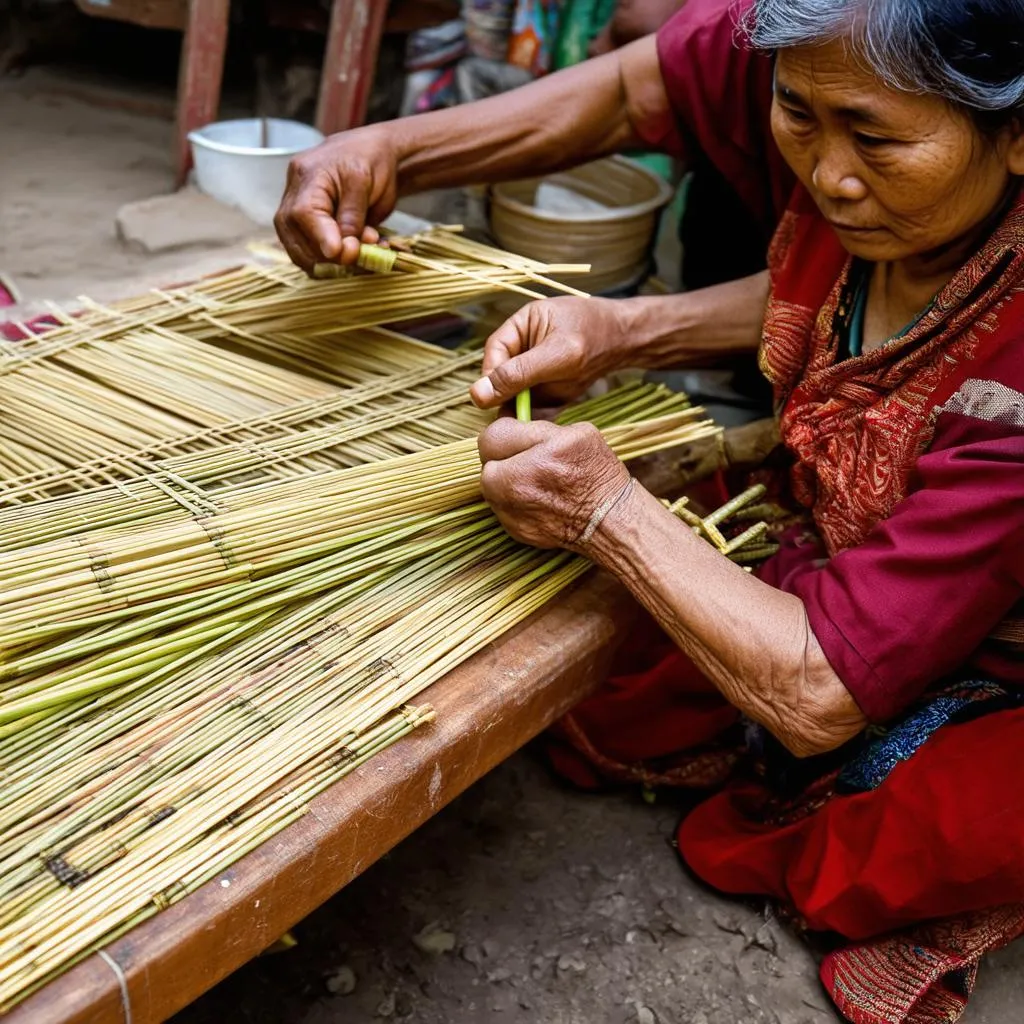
[858, 425]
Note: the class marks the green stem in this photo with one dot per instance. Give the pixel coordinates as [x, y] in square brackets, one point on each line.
[523, 406]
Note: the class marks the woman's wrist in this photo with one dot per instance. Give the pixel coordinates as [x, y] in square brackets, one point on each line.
[655, 329]
[618, 337]
[613, 543]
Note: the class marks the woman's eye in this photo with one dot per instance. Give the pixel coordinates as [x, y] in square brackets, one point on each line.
[871, 140]
[800, 116]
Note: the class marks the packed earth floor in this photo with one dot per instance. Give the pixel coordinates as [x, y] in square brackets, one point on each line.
[523, 901]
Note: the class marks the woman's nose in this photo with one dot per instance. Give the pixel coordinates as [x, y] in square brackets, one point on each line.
[835, 179]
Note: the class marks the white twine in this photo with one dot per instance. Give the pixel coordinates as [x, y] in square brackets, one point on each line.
[122, 983]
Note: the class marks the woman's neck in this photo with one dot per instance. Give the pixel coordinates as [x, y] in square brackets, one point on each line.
[894, 299]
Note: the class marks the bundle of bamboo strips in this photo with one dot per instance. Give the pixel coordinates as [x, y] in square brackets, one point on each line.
[442, 272]
[370, 586]
[219, 598]
[146, 816]
[376, 420]
[238, 346]
[69, 596]
[190, 484]
[118, 396]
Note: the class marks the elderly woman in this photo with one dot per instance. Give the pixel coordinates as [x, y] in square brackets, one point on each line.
[879, 647]
[874, 666]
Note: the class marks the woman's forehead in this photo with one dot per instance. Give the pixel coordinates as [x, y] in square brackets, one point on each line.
[830, 78]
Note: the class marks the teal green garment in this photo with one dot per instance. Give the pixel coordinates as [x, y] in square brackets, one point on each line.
[581, 21]
[855, 331]
[660, 163]
[851, 339]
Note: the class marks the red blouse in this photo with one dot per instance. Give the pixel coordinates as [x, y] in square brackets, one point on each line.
[911, 461]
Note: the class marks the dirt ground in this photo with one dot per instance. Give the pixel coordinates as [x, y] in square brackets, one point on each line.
[523, 901]
[66, 168]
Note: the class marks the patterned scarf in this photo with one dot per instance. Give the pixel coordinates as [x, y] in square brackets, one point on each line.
[857, 426]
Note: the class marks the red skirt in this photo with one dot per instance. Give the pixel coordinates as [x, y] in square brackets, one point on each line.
[924, 871]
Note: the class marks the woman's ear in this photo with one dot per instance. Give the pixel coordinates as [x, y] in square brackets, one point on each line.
[1015, 149]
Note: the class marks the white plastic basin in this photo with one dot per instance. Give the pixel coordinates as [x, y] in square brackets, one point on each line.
[233, 167]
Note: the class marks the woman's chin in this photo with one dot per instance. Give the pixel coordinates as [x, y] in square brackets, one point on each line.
[876, 245]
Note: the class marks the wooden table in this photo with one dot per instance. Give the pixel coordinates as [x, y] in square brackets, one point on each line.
[486, 709]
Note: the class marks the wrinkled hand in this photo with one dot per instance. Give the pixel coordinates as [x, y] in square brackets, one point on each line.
[335, 195]
[558, 346]
[544, 482]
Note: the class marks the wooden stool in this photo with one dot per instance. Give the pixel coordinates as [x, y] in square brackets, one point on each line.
[353, 41]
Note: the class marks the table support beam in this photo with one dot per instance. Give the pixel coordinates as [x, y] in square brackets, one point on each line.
[199, 80]
[350, 60]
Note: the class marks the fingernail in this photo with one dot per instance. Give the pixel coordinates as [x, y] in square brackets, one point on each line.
[483, 389]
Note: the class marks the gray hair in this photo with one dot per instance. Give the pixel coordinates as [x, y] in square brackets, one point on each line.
[969, 52]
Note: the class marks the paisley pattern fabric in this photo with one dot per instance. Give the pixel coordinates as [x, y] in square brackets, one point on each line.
[858, 425]
[921, 976]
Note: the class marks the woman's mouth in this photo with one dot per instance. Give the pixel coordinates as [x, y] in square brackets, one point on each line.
[852, 228]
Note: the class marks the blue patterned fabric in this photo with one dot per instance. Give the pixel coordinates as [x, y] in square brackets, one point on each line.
[887, 746]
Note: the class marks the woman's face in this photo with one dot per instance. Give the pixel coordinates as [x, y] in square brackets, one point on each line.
[898, 175]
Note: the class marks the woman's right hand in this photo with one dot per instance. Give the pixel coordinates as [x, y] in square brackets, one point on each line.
[557, 346]
[334, 192]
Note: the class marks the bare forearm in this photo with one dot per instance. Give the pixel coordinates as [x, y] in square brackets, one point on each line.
[596, 108]
[752, 641]
[697, 328]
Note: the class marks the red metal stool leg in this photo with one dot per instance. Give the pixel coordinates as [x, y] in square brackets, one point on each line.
[350, 58]
[199, 80]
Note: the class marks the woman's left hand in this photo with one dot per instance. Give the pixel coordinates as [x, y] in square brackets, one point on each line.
[544, 482]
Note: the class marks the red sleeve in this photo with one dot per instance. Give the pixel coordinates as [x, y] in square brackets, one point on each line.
[721, 93]
[916, 600]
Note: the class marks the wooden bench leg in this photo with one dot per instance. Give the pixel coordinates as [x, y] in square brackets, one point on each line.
[350, 59]
[199, 80]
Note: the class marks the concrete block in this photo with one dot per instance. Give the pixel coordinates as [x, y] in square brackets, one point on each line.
[183, 219]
